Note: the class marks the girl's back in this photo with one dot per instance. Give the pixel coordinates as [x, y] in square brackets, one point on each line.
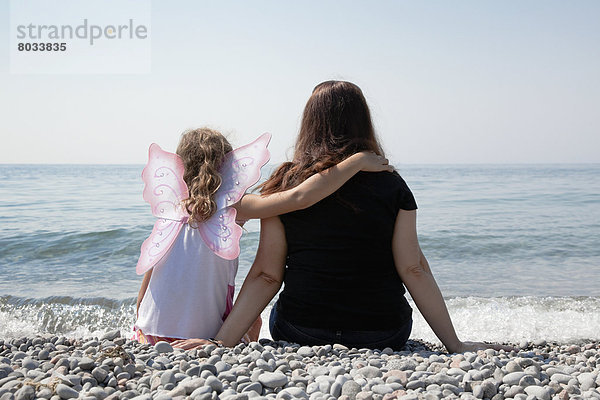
[190, 291]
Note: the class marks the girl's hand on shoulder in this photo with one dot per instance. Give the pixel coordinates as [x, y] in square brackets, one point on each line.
[189, 344]
[476, 346]
[371, 162]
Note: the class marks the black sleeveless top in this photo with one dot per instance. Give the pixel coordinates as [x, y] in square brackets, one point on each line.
[340, 269]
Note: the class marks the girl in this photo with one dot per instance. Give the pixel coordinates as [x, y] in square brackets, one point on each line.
[189, 292]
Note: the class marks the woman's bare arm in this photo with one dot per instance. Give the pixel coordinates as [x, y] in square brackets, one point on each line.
[413, 268]
[312, 190]
[261, 284]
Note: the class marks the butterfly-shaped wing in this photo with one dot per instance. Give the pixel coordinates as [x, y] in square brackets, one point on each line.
[240, 170]
[159, 242]
[164, 189]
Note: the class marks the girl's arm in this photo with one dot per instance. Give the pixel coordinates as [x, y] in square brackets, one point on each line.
[312, 190]
[413, 268]
[261, 284]
[142, 291]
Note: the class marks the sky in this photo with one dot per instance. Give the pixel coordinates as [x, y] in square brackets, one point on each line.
[447, 81]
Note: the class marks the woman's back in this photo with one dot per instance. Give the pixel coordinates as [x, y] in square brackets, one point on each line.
[340, 268]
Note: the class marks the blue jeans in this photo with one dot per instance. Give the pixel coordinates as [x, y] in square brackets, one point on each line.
[283, 330]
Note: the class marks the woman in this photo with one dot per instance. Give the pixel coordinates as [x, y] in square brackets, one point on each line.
[349, 256]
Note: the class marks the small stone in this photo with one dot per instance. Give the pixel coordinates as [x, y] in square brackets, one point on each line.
[402, 365]
[512, 366]
[364, 396]
[305, 351]
[193, 371]
[273, 379]
[44, 393]
[440, 379]
[489, 388]
[27, 392]
[30, 363]
[416, 384]
[370, 372]
[382, 389]
[513, 378]
[513, 391]
[561, 378]
[66, 392]
[86, 363]
[99, 374]
[98, 393]
[540, 392]
[478, 392]
[294, 392]
[527, 380]
[253, 387]
[465, 365]
[167, 377]
[201, 391]
[351, 389]
[163, 347]
[111, 335]
[214, 383]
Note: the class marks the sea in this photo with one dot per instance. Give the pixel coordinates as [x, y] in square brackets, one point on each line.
[515, 249]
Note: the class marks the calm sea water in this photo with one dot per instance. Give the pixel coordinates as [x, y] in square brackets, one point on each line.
[514, 248]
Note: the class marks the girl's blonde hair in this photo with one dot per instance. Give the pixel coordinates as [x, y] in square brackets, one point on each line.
[202, 151]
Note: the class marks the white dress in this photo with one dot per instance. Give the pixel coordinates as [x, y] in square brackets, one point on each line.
[190, 291]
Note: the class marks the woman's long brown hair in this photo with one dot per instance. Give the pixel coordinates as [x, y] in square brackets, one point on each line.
[336, 123]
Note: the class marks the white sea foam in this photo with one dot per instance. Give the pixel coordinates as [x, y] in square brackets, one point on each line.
[500, 319]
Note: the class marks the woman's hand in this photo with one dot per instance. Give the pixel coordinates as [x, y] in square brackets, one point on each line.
[464, 347]
[371, 162]
[189, 344]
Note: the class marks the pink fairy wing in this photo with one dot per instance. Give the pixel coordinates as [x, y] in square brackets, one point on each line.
[164, 185]
[221, 234]
[159, 242]
[164, 189]
[240, 170]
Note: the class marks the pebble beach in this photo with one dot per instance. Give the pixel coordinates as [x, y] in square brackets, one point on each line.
[112, 367]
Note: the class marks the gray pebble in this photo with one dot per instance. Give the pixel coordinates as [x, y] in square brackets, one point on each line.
[65, 392]
[273, 379]
[26, 392]
[305, 351]
[513, 391]
[293, 392]
[30, 363]
[560, 378]
[214, 383]
[541, 393]
[86, 363]
[167, 377]
[253, 387]
[163, 347]
[111, 335]
[527, 380]
[370, 372]
[99, 374]
[44, 393]
[351, 389]
[382, 389]
[513, 378]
